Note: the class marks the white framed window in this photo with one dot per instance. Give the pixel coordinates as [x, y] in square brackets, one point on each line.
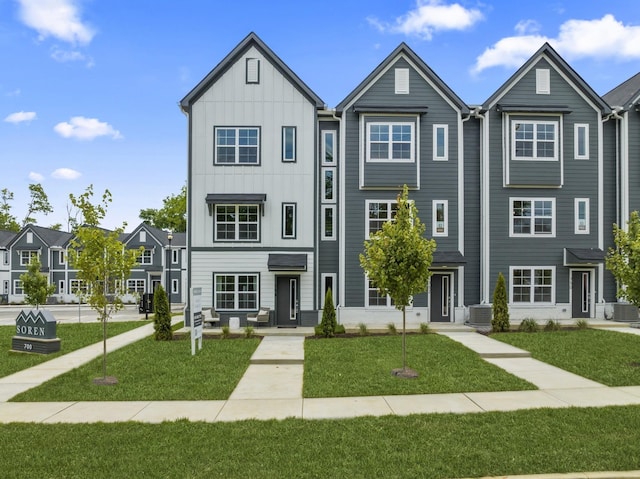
[61, 286]
[543, 81]
[175, 256]
[375, 298]
[581, 141]
[143, 236]
[390, 142]
[26, 257]
[146, 257]
[440, 218]
[237, 146]
[289, 144]
[253, 70]
[378, 213]
[328, 213]
[17, 287]
[288, 220]
[328, 282]
[532, 285]
[328, 147]
[440, 142]
[174, 286]
[5, 257]
[402, 81]
[78, 286]
[581, 216]
[235, 292]
[328, 185]
[534, 140]
[5, 286]
[532, 217]
[237, 223]
[136, 286]
[62, 257]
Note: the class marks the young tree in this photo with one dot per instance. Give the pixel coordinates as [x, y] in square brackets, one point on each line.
[162, 318]
[328, 323]
[8, 222]
[172, 216]
[624, 260]
[500, 307]
[36, 285]
[397, 259]
[102, 261]
[38, 203]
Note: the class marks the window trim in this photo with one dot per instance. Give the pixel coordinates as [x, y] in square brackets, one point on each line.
[323, 147]
[17, 286]
[434, 231]
[543, 81]
[143, 255]
[576, 141]
[390, 142]
[532, 286]
[62, 257]
[401, 81]
[80, 286]
[437, 157]
[576, 212]
[293, 234]
[333, 171]
[532, 234]
[236, 145]
[236, 224]
[175, 286]
[236, 291]
[250, 80]
[367, 220]
[323, 210]
[175, 256]
[534, 140]
[368, 289]
[292, 159]
[136, 282]
[32, 253]
[323, 288]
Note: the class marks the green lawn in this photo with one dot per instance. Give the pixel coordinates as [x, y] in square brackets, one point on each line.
[420, 446]
[150, 370]
[608, 357]
[72, 336]
[362, 367]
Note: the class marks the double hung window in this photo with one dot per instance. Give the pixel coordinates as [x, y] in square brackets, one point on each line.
[390, 142]
[237, 223]
[532, 285]
[237, 146]
[378, 213]
[533, 217]
[535, 140]
[26, 257]
[236, 292]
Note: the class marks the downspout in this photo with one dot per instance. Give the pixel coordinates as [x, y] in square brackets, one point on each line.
[484, 206]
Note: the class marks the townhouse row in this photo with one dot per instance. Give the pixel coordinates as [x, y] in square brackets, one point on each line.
[283, 191]
[163, 261]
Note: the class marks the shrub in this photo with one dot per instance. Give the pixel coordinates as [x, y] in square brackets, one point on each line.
[391, 327]
[552, 325]
[582, 324]
[162, 318]
[362, 328]
[424, 328]
[328, 323]
[340, 329]
[225, 332]
[500, 307]
[528, 325]
[248, 332]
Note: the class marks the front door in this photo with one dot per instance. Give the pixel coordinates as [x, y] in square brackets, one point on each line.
[287, 295]
[581, 294]
[440, 299]
[155, 282]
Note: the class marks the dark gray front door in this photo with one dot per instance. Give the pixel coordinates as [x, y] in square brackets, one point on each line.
[581, 294]
[287, 301]
[440, 300]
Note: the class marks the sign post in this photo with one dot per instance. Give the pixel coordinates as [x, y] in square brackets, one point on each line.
[196, 319]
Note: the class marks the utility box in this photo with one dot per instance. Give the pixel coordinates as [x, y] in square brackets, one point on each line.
[480, 314]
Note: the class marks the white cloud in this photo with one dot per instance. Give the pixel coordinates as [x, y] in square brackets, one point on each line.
[64, 56]
[33, 176]
[20, 117]
[525, 27]
[83, 128]
[56, 18]
[605, 37]
[65, 174]
[430, 16]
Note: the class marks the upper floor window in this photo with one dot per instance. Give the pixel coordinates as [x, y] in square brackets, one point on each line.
[535, 140]
[175, 256]
[237, 223]
[328, 148]
[328, 222]
[440, 142]
[533, 217]
[29, 237]
[26, 257]
[5, 257]
[378, 213]
[237, 146]
[390, 142]
[146, 257]
[328, 185]
[532, 285]
[289, 220]
[253, 70]
[440, 213]
[581, 141]
[289, 144]
[401, 81]
[62, 257]
[143, 236]
[582, 216]
[543, 81]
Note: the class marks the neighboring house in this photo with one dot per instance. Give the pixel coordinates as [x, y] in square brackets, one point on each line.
[402, 125]
[253, 188]
[543, 178]
[5, 268]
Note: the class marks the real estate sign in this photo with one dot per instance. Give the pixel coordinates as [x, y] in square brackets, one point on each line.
[196, 319]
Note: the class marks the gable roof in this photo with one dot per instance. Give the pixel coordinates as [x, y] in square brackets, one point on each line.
[179, 239]
[6, 237]
[626, 94]
[49, 236]
[404, 49]
[251, 40]
[551, 55]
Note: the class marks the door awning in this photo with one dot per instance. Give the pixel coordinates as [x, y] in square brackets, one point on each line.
[236, 198]
[533, 108]
[447, 258]
[287, 262]
[583, 256]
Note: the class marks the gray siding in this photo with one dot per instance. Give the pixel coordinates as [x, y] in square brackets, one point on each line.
[611, 213]
[472, 211]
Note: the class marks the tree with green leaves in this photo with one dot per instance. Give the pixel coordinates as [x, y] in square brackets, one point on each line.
[36, 285]
[162, 318]
[624, 260]
[38, 203]
[8, 222]
[328, 323]
[397, 259]
[172, 216]
[102, 262]
[500, 306]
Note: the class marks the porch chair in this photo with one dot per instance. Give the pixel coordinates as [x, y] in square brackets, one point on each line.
[261, 317]
[213, 320]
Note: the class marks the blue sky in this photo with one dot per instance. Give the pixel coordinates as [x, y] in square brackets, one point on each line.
[89, 88]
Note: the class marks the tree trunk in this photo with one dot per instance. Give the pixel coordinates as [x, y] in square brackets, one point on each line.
[104, 343]
[404, 338]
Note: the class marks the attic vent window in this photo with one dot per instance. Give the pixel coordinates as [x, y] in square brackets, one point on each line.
[143, 236]
[402, 81]
[253, 70]
[29, 237]
[543, 82]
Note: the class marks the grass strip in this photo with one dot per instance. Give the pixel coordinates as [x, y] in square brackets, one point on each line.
[362, 367]
[434, 446]
[72, 336]
[608, 357]
[150, 370]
